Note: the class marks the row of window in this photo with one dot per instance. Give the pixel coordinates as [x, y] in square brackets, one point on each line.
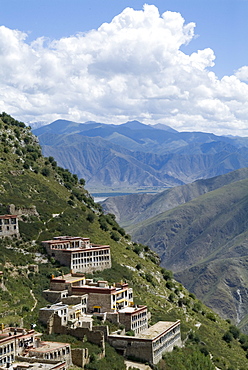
[7, 221]
[139, 323]
[60, 246]
[6, 349]
[166, 336]
[140, 315]
[7, 228]
[68, 245]
[54, 355]
[168, 343]
[6, 359]
[90, 264]
[90, 253]
[77, 261]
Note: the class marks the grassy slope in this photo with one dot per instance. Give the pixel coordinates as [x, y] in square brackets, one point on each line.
[78, 215]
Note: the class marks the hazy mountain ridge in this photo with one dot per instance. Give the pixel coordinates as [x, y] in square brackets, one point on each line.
[140, 155]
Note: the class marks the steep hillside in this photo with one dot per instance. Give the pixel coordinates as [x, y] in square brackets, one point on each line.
[205, 242]
[133, 155]
[51, 201]
[135, 208]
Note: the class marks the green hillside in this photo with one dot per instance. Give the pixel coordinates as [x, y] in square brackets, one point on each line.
[54, 202]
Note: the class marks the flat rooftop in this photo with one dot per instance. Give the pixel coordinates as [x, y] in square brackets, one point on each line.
[55, 306]
[49, 346]
[157, 329]
[132, 309]
[68, 278]
[36, 365]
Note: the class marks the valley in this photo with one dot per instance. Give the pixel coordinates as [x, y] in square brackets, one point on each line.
[199, 231]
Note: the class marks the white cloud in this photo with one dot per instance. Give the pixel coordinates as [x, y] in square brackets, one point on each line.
[130, 68]
[242, 73]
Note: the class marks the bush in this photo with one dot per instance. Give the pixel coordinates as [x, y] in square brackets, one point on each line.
[130, 333]
[204, 351]
[211, 316]
[149, 277]
[138, 249]
[167, 274]
[234, 331]
[103, 224]
[172, 297]
[191, 295]
[45, 171]
[169, 285]
[91, 217]
[227, 337]
[114, 236]
[197, 307]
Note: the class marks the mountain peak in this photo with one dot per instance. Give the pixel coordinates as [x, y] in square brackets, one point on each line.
[161, 126]
[136, 125]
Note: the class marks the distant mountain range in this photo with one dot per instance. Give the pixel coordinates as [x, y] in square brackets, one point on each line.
[134, 155]
[200, 231]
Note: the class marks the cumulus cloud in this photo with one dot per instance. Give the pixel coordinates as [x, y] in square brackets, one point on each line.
[130, 68]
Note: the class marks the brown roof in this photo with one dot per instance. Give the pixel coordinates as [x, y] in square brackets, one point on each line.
[8, 216]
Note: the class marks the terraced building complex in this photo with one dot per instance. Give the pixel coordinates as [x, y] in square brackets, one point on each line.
[108, 302]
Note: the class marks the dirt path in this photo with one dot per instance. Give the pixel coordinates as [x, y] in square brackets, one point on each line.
[35, 300]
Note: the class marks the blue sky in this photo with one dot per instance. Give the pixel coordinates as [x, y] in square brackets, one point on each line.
[187, 69]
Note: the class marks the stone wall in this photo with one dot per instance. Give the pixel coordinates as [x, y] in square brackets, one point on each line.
[132, 347]
[64, 258]
[19, 211]
[53, 296]
[101, 300]
[80, 357]
[113, 317]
